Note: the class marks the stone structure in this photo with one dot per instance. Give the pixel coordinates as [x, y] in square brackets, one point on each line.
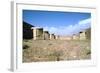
[88, 34]
[85, 35]
[37, 33]
[76, 37]
[57, 37]
[46, 35]
[52, 36]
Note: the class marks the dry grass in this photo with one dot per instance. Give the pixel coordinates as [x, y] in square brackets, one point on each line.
[55, 50]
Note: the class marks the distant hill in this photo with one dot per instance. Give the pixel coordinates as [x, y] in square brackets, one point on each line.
[27, 25]
[27, 31]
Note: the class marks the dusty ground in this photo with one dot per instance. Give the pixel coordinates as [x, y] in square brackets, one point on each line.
[55, 50]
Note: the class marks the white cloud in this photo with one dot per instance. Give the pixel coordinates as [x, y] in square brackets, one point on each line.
[71, 29]
[85, 21]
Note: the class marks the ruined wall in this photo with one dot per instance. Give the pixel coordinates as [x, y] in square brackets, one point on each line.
[57, 37]
[83, 35]
[46, 35]
[37, 33]
[76, 37]
[52, 36]
[88, 34]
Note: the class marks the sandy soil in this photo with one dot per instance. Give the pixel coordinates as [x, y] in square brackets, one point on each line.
[56, 50]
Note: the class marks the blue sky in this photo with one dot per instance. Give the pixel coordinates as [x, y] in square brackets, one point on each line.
[59, 23]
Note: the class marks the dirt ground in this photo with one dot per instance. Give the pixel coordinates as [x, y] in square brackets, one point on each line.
[55, 50]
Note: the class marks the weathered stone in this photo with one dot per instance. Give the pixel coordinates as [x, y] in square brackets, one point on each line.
[46, 35]
[37, 33]
[52, 36]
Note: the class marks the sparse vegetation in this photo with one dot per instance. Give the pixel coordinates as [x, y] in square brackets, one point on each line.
[55, 50]
[25, 46]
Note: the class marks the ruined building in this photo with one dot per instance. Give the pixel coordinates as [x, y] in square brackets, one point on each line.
[85, 35]
[52, 36]
[46, 35]
[82, 35]
[88, 34]
[37, 33]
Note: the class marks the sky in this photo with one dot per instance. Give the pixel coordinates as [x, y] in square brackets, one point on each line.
[58, 22]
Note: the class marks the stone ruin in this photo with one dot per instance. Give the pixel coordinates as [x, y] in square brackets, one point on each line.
[83, 35]
[37, 33]
[52, 36]
[46, 35]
